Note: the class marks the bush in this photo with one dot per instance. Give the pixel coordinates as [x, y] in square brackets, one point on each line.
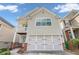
[4, 51]
[66, 44]
[75, 42]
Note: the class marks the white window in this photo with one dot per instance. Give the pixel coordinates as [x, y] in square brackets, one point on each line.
[43, 22]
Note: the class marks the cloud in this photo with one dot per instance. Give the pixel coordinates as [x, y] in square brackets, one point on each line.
[66, 7]
[12, 8]
[21, 3]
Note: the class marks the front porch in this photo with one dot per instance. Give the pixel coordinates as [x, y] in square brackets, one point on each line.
[19, 40]
[71, 33]
[72, 38]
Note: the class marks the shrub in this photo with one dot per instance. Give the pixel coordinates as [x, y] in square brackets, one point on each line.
[75, 42]
[4, 51]
[66, 44]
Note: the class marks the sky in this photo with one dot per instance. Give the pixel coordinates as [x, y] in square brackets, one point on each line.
[11, 11]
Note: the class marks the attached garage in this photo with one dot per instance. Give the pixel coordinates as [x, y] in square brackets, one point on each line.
[44, 43]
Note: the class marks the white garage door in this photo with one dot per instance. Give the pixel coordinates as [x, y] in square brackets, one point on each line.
[44, 43]
[40, 43]
[32, 43]
[57, 43]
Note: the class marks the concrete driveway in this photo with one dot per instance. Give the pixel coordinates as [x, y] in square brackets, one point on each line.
[14, 52]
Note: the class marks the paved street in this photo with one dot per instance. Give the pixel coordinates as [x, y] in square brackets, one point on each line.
[14, 52]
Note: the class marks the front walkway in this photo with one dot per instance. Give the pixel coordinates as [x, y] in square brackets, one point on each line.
[75, 51]
[14, 52]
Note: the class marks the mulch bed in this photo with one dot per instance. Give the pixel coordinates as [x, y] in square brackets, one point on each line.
[75, 51]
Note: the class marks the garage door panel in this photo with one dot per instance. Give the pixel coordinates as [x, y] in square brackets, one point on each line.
[40, 47]
[40, 42]
[56, 40]
[56, 43]
[31, 47]
[32, 40]
[49, 42]
[49, 47]
[40, 39]
[58, 47]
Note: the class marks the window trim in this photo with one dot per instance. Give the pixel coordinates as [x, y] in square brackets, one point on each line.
[43, 18]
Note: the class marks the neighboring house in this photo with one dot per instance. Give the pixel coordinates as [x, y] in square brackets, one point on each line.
[71, 25]
[40, 31]
[6, 33]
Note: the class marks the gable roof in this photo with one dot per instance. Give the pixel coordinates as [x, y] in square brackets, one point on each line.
[2, 19]
[71, 15]
[42, 8]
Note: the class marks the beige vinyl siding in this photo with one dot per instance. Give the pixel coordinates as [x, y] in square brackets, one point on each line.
[6, 32]
[75, 22]
[54, 29]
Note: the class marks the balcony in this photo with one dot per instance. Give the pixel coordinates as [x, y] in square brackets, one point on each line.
[22, 30]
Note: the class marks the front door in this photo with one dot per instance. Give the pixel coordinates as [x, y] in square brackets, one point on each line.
[22, 38]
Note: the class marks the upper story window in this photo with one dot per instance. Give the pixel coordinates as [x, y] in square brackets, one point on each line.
[43, 22]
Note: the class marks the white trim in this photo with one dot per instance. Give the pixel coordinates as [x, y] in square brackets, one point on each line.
[14, 38]
[43, 18]
[72, 16]
[52, 41]
[44, 41]
[28, 13]
[71, 30]
[36, 43]
[44, 9]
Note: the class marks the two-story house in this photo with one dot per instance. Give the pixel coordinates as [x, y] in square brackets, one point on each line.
[6, 33]
[71, 25]
[40, 31]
